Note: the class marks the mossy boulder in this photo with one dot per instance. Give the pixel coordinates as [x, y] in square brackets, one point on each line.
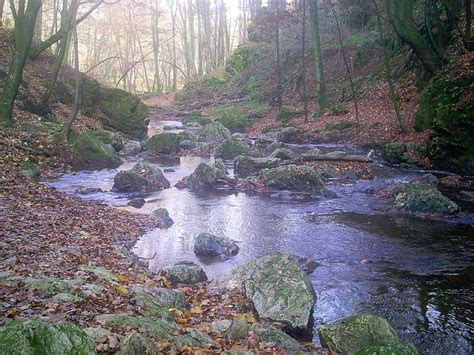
[135, 343]
[245, 166]
[90, 95]
[424, 198]
[194, 338]
[213, 132]
[233, 147]
[196, 117]
[164, 329]
[143, 177]
[38, 338]
[49, 284]
[210, 245]
[283, 154]
[163, 143]
[289, 135]
[280, 291]
[206, 176]
[359, 333]
[184, 272]
[124, 112]
[270, 334]
[156, 301]
[42, 127]
[163, 216]
[90, 152]
[293, 178]
[394, 152]
[238, 330]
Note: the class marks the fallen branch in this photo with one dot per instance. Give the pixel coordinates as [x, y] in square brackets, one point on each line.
[336, 156]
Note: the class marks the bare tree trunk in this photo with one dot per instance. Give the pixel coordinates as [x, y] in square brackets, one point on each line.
[192, 39]
[2, 3]
[39, 25]
[25, 20]
[277, 44]
[346, 62]
[200, 41]
[318, 55]
[303, 64]
[156, 48]
[388, 73]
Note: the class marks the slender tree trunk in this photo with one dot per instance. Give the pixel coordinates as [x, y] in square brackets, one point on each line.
[156, 48]
[2, 3]
[400, 13]
[25, 20]
[67, 17]
[318, 55]
[192, 39]
[173, 20]
[39, 25]
[303, 64]
[199, 39]
[277, 44]
[75, 107]
[388, 72]
[346, 62]
[468, 32]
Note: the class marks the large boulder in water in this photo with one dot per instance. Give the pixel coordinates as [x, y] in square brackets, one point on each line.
[363, 334]
[424, 198]
[143, 177]
[90, 152]
[245, 166]
[210, 245]
[279, 289]
[184, 272]
[293, 177]
[233, 147]
[163, 143]
[124, 112]
[214, 132]
[39, 337]
[206, 176]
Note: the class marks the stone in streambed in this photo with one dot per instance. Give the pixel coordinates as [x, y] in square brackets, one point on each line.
[184, 272]
[137, 202]
[143, 177]
[245, 166]
[270, 334]
[283, 154]
[209, 245]
[163, 143]
[233, 147]
[361, 334]
[206, 176]
[292, 177]
[164, 217]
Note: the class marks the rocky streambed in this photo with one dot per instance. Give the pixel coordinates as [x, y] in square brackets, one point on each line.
[380, 246]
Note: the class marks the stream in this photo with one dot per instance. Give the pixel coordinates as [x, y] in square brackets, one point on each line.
[417, 273]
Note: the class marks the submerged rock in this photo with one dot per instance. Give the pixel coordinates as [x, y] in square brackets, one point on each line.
[210, 245]
[163, 215]
[143, 177]
[39, 337]
[163, 143]
[279, 290]
[361, 334]
[233, 147]
[293, 178]
[184, 272]
[245, 166]
[425, 199]
[206, 176]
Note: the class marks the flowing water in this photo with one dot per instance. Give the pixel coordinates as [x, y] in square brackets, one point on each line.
[417, 273]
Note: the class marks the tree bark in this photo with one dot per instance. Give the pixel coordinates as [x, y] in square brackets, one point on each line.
[2, 3]
[388, 72]
[318, 55]
[303, 64]
[400, 13]
[25, 20]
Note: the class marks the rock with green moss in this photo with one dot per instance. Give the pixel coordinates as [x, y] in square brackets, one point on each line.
[100, 272]
[188, 136]
[238, 330]
[424, 198]
[90, 152]
[233, 147]
[38, 337]
[279, 289]
[195, 338]
[283, 154]
[162, 328]
[90, 95]
[449, 116]
[390, 349]
[289, 135]
[184, 272]
[155, 301]
[213, 132]
[143, 177]
[245, 166]
[124, 112]
[394, 152]
[134, 344]
[206, 176]
[360, 333]
[50, 284]
[42, 127]
[163, 143]
[66, 297]
[293, 177]
[196, 117]
[30, 170]
[209, 245]
[270, 334]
